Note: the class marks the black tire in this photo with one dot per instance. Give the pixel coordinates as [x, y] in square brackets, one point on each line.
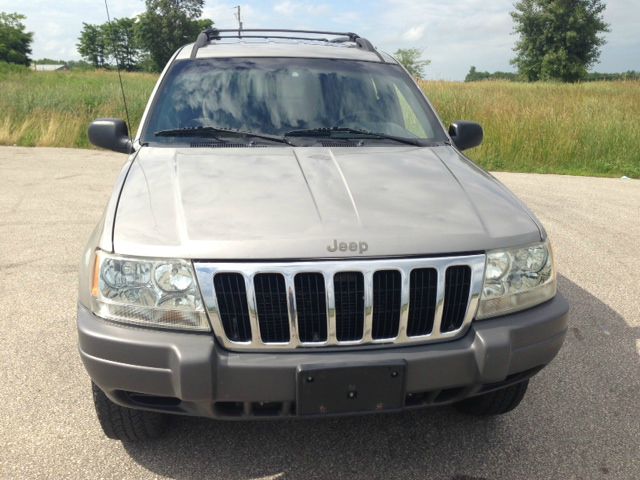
[497, 402]
[127, 424]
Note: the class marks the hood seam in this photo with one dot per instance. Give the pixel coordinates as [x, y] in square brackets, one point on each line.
[346, 186]
[306, 182]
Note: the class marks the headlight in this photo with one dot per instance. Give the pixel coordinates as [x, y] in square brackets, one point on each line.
[156, 293]
[516, 279]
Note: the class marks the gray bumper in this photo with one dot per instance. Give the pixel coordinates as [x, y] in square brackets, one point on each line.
[191, 374]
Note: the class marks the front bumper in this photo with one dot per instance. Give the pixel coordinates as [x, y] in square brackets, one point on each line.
[191, 374]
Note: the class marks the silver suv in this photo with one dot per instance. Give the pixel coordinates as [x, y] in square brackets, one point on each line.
[295, 233]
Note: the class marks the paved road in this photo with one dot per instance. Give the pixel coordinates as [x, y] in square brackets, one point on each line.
[579, 420]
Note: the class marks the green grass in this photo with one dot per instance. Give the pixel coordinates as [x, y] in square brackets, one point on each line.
[54, 109]
[580, 129]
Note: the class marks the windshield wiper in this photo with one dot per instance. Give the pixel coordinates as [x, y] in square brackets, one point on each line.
[347, 133]
[217, 132]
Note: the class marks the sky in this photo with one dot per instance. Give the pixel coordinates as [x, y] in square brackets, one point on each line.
[453, 34]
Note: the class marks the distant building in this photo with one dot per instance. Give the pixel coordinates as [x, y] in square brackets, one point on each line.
[48, 67]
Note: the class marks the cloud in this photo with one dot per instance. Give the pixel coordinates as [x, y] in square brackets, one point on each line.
[285, 8]
[289, 8]
[414, 33]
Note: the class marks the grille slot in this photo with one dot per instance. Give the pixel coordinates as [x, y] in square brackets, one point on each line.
[349, 297]
[387, 290]
[311, 304]
[271, 304]
[232, 304]
[422, 301]
[456, 296]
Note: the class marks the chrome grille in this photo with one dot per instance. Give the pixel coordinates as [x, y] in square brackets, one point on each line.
[257, 306]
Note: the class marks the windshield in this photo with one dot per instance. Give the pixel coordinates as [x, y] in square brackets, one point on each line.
[275, 96]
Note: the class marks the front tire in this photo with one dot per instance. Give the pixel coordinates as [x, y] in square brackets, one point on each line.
[127, 424]
[497, 402]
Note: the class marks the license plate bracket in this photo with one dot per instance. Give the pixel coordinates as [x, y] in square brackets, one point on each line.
[327, 390]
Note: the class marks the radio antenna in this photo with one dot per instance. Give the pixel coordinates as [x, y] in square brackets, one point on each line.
[124, 97]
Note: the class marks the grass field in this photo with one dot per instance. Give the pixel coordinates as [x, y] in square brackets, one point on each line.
[582, 129]
[54, 109]
[578, 129]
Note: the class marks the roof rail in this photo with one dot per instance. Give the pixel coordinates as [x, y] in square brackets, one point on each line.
[342, 37]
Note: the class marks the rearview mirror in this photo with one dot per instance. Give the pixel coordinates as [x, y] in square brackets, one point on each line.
[110, 133]
[466, 134]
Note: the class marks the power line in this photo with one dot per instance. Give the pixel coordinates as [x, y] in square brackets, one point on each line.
[238, 17]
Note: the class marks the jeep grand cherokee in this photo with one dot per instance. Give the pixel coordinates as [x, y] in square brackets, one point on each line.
[295, 233]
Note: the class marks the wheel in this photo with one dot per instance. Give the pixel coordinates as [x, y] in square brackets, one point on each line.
[127, 424]
[496, 402]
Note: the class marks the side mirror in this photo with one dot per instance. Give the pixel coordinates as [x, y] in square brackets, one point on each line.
[466, 134]
[110, 133]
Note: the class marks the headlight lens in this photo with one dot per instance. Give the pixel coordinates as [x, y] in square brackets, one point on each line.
[156, 293]
[516, 279]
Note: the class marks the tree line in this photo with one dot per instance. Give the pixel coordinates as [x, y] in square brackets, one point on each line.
[147, 41]
[476, 76]
[558, 40]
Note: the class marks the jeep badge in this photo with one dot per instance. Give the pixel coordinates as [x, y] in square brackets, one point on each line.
[360, 247]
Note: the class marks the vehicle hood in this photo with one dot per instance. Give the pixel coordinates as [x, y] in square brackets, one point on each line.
[297, 203]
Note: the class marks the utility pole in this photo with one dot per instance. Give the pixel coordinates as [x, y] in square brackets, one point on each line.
[239, 18]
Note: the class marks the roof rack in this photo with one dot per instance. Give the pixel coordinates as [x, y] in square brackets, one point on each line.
[341, 37]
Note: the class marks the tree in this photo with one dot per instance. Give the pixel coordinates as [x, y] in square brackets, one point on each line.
[15, 42]
[410, 59]
[121, 43]
[78, 65]
[166, 25]
[559, 39]
[48, 61]
[114, 42]
[475, 76]
[92, 45]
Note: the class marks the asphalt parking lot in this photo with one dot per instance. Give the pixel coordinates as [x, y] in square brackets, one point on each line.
[580, 419]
